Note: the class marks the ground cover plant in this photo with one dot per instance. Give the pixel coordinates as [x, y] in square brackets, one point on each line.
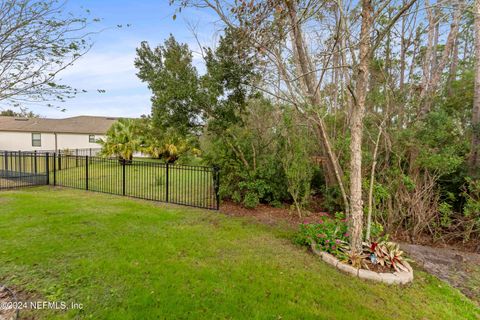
[130, 259]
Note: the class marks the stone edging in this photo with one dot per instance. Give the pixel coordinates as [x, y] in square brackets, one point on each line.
[388, 278]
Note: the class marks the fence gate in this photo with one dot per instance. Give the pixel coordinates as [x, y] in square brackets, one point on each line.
[21, 169]
[196, 186]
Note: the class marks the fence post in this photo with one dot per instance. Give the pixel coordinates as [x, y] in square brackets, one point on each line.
[76, 158]
[35, 170]
[123, 176]
[216, 184]
[59, 160]
[166, 182]
[47, 167]
[6, 163]
[54, 168]
[86, 172]
[19, 165]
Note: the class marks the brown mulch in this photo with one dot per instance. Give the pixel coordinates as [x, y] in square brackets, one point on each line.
[379, 268]
[270, 215]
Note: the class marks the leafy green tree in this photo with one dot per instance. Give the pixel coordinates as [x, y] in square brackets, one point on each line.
[123, 139]
[23, 113]
[295, 156]
[174, 82]
[168, 145]
[229, 80]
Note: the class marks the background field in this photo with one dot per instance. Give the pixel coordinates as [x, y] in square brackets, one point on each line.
[130, 259]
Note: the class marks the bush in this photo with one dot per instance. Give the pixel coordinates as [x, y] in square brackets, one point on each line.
[247, 155]
[251, 200]
[330, 234]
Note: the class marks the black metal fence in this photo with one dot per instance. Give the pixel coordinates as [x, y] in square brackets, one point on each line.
[91, 152]
[196, 186]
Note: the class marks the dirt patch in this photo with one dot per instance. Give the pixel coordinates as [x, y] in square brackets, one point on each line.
[427, 240]
[8, 299]
[458, 268]
[270, 215]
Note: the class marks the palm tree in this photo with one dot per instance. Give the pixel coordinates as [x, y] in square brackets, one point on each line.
[122, 140]
[168, 146]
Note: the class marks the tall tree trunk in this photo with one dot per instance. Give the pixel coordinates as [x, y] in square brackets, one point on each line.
[403, 51]
[436, 68]
[453, 69]
[307, 76]
[358, 112]
[475, 147]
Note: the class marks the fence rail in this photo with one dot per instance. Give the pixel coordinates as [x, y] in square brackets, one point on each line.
[91, 152]
[195, 186]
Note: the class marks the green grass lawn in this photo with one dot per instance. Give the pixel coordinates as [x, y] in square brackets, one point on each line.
[191, 185]
[132, 259]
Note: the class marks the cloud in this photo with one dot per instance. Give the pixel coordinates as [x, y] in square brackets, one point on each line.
[105, 70]
[110, 63]
[114, 105]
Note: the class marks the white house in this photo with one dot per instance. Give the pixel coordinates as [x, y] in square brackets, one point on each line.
[29, 134]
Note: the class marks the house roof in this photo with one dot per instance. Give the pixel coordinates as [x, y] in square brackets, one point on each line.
[80, 124]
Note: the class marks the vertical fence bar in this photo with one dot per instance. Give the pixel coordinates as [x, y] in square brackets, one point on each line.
[6, 163]
[123, 176]
[35, 162]
[166, 182]
[216, 185]
[54, 168]
[86, 172]
[47, 167]
[19, 162]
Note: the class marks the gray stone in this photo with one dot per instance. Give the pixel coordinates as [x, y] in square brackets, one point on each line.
[330, 259]
[315, 249]
[369, 275]
[404, 277]
[348, 269]
[389, 278]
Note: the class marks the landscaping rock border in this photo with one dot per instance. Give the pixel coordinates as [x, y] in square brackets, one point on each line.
[388, 278]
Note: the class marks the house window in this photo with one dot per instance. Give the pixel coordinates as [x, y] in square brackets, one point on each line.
[36, 140]
[91, 138]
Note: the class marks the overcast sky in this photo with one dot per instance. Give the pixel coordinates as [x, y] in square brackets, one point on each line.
[109, 64]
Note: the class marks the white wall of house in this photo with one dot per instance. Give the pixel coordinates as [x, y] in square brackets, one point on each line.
[76, 141]
[22, 141]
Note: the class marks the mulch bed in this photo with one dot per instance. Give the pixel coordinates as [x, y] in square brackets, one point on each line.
[379, 268]
[270, 215]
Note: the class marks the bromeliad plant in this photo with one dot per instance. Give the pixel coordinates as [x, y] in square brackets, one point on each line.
[387, 253]
[357, 260]
[330, 235]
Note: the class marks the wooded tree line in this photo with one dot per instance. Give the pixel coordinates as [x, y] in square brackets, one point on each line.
[373, 105]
